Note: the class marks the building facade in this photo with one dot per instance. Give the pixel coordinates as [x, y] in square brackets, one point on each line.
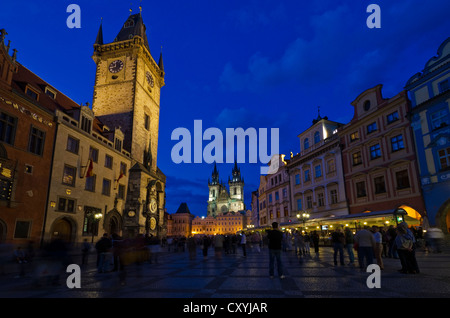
[380, 166]
[27, 133]
[89, 178]
[180, 223]
[316, 176]
[429, 92]
[221, 200]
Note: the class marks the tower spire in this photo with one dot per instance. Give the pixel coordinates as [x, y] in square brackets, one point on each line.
[99, 39]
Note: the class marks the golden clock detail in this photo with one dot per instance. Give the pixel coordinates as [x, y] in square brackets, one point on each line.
[153, 205]
[152, 223]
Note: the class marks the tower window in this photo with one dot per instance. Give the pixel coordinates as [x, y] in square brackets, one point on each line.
[147, 122]
[129, 24]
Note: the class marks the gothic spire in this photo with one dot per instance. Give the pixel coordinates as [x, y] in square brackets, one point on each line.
[99, 39]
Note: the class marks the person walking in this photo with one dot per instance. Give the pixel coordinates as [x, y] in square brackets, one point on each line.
[244, 243]
[103, 247]
[275, 241]
[338, 240]
[378, 249]
[205, 243]
[315, 241]
[349, 241]
[365, 245]
[405, 243]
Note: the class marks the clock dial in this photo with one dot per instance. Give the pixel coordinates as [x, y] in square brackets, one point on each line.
[116, 66]
[152, 224]
[153, 205]
[150, 80]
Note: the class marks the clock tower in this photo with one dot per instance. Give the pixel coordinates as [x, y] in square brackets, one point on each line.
[127, 90]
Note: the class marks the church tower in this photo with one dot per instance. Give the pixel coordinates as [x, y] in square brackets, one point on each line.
[127, 92]
[214, 186]
[236, 185]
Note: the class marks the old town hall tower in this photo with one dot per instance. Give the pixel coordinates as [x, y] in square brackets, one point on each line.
[127, 95]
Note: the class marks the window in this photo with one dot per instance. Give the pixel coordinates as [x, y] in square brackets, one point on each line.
[309, 202]
[360, 189]
[90, 225]
[5, 189]
[397, 143]
[439, 119]
[22, 229]
[31, 93]
[297, 179]
[36, 144]
[86, 124]
[129, 24]
[306, 144]
[367, 105]
[333, 196]
[356, 158]
[307, 176]
[106, 187]
[380, 186]
[320, 199]
[108, 161]
[50, 93]
[318, 171]
[118, 144]
[375, 151]
[90, 183]
[444, 158]
[69, 175]
[66, 205]
[147, 122]
[93, 154]
[316, 137]
[121, 192]
[372, 127]
[270, 198]
[392, 117]
[284, 193]
[331, 166]
[402, 179]
[354, 136]
[277, 197]
[299, 204]
[73, 144]
[444, 86]
[8, 126]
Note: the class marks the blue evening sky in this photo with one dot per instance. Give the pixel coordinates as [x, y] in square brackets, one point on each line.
[247, 63]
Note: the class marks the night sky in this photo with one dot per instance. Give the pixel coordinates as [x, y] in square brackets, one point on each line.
[261, 64]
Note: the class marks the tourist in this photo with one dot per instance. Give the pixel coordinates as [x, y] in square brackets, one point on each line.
[338, 240]
[365, 243]
[378, 248]
[275, 238]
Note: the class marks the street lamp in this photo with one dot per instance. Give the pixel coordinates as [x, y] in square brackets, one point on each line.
[95, 220]
[303, 217]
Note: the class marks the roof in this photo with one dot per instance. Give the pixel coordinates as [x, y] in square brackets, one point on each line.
[183, 208]
[24, 77]
[134, 25]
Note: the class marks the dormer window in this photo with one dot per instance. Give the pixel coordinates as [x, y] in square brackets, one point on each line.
[50, 92]
[86, 119]
[31, 93]
[129, 24]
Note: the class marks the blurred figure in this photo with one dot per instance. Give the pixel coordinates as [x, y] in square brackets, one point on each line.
[244, 243]
[349, 241]
[275, 241]
[103, 246]
[205, 245]
[218, 245]
[85, 248]
[434, 237]
[405, 243]
[20, 259]
[338, 240]
[315, 240]
[192, 247]
[365, 246]
[378, 248]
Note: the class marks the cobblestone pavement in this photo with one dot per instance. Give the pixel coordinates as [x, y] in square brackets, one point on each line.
[235, 276]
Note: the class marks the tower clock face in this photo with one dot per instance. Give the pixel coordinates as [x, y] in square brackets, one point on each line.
[116, 66]
[152, 224]
[153, 205]
[149, 79]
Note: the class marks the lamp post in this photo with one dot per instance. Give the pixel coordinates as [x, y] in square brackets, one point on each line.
[303, 217]
[95, 220]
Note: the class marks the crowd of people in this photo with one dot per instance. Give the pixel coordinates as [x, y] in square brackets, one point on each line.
[113, 253]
